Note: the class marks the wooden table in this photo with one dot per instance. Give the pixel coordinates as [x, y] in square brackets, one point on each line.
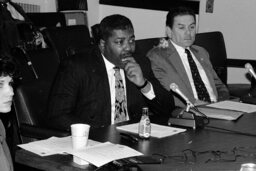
[200, 140]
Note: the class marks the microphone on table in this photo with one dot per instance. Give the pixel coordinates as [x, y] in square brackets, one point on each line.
[189, 118]
[250, 69]
[174, 87]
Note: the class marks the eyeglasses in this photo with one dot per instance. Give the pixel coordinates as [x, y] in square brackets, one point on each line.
[190, 156]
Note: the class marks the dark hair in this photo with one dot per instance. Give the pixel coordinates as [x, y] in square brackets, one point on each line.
[114, 22]
[7, 66]
[173, 12]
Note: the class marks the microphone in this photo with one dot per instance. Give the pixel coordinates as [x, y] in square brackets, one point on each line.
[29, 63]
[250, 69]
[174, 87]
[191, 118]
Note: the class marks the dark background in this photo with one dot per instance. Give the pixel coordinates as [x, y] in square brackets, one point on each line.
[163, 5]
[72, 5]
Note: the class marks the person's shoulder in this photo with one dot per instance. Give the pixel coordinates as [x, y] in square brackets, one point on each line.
[2, 131]
[160, 49]
[199, 48]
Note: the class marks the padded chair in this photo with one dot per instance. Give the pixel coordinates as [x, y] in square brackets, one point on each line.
[144, 45]
[40, 64]
[30, 104]
[214, 43]
[31, 94]
[68, 40]
[47, 19]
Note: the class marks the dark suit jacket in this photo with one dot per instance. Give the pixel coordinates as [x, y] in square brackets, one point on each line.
[81, 93]
[168, 68]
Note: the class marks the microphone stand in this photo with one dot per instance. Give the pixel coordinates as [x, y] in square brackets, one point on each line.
[191, 117]
[29, 63]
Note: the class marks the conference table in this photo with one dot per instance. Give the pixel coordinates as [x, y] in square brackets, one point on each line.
[195, 149]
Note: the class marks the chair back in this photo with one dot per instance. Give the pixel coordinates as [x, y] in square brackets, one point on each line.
[38, 69]
[68, 40]
[144, 45]
[214, 43]
[40, 64]
[30, 102]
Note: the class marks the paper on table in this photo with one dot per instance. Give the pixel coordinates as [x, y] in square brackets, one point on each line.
[231, 105]
[104, 153]
[53, 145]
[218, 113]
[158, 131]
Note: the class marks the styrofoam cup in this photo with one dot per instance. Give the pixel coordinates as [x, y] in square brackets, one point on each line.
[79, 133]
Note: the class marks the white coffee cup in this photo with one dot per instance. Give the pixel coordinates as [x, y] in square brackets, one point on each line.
[80, 134]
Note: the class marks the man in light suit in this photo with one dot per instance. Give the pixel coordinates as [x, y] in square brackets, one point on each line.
[84, 89]
[171, 65]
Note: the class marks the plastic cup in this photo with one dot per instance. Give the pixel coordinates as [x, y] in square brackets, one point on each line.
[80, 134]
[248, 167]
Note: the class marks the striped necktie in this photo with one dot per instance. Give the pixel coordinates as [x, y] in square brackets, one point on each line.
[201, 90]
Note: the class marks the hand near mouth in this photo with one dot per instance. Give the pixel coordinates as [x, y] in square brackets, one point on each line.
[133, 71]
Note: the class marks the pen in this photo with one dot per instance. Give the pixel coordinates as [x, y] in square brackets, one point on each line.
[129, 137]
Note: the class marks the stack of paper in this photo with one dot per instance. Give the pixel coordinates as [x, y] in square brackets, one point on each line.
[217, 113]
[53, 145]
[95, 153]
[158, 131]
[231, 105]
[104, 153]
[227, 110]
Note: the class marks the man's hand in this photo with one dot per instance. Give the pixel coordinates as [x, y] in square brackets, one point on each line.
[133, 71]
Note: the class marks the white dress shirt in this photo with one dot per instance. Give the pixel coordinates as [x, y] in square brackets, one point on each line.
[111, 78]
[184, 59]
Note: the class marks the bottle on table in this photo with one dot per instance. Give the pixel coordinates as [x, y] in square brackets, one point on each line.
[144, 124]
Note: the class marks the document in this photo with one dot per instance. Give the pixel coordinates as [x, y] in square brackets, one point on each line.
[231, 105]
[104, 153]
[95, 152]
[53, 145]
[158, 131]
[217, 113]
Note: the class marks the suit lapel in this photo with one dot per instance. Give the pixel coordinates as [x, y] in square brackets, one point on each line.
[101, 79]
[201, 59]
[177, 64]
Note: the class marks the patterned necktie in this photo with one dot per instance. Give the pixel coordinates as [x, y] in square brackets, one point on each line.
[120, 100]
[199, 84]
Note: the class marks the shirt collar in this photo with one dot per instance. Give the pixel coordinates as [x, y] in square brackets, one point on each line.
[180, 49]
[109, 65]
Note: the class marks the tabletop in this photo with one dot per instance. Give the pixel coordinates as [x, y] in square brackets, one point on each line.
[200, 149]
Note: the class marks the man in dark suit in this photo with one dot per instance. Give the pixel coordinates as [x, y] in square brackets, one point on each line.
[170, 62]
[84, 90]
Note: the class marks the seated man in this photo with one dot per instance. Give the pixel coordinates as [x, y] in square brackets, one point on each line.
[178, 61]
[107, 84]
